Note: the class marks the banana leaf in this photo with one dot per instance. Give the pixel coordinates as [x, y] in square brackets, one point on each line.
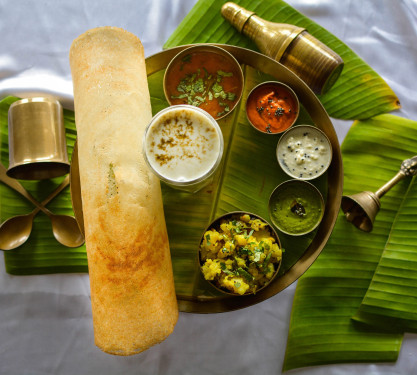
[391, 300]
[359, 93]
[322, 330]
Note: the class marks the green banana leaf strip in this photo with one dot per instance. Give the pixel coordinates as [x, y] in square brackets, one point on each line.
[41, 254]
[391, 300]
[359, 93]
[322, 330]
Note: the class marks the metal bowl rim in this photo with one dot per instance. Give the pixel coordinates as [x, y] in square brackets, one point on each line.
[310, 186]
[204, 48]
[270, 83]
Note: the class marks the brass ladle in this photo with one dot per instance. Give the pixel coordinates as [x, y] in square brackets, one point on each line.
[16, 230]
[361, 209]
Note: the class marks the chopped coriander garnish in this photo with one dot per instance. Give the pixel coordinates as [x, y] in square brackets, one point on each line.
[238, 230]
[224, 74]
[216, 88]
[257, 257]
[244, 251]
[182, 96]
[201, 86]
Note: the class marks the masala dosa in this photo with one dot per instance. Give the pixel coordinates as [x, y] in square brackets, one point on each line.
[132, 288]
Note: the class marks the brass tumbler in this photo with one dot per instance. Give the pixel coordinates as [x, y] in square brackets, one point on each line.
[37, 144]
[315, 63]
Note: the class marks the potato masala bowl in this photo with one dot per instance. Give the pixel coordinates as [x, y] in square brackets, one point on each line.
[240, 253]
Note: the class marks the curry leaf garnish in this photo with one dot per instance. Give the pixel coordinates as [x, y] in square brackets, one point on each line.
[266, 261]
[250, 234]
[225, 270]
[246, 275]
[186, 58]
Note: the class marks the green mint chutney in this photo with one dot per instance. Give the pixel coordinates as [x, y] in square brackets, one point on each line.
[296, 207]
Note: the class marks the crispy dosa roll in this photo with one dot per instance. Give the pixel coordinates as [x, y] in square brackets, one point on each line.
[132, 288]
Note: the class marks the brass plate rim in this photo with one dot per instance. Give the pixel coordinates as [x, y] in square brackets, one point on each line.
[205, 305]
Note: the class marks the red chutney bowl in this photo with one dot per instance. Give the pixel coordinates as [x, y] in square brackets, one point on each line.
[272, 107]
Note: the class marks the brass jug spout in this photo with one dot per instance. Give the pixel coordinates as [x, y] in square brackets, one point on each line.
[361, 209]
[314, 62]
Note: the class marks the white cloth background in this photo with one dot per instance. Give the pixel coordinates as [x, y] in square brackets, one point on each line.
[45, 321]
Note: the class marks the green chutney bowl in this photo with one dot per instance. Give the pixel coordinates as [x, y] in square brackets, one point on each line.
[296, 207]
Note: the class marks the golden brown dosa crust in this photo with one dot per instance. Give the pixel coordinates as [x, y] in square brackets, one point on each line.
[132, 288]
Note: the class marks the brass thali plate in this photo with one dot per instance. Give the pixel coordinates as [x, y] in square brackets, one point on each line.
[199, 297]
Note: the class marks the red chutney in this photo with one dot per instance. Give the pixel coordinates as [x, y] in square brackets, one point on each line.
[272, 108]
[205, 79]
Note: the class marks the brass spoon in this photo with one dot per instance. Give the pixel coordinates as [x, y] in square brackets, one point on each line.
[361, 209]
[15, 231]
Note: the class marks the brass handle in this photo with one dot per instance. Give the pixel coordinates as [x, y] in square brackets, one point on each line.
[391, 183]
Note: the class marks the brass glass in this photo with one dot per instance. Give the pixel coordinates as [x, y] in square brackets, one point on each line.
[361, 209]
[37, 144]
[314, 62]
[208, 304]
